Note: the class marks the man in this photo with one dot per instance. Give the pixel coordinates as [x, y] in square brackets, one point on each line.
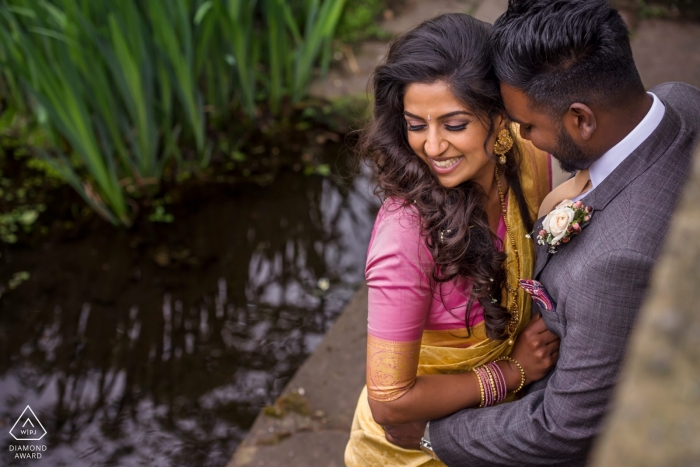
[568, 77]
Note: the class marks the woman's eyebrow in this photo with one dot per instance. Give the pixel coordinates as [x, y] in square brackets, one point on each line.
[452, 114]
[409, 114]
[447, 115]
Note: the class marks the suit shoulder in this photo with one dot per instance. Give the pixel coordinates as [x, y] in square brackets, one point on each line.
[683, 98]
[675, 89]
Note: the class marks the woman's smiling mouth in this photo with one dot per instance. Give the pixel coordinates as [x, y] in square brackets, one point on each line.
[446, 166]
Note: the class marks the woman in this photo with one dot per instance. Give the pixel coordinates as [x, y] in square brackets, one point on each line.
[449, 245]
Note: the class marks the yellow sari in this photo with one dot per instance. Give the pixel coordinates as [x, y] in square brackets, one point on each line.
[442, 351]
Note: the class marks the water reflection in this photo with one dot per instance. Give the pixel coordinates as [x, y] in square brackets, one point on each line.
[159, 346]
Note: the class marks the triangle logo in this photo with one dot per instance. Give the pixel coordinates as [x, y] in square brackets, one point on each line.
[28, 427]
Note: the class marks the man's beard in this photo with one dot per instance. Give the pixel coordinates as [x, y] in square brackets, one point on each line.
[570, 156]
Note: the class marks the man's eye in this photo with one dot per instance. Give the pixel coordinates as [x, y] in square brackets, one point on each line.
[456, 128]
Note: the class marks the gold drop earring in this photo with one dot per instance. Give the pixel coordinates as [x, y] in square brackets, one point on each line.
[504, 143]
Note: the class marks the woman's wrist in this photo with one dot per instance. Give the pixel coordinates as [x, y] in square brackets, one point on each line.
[512, 374]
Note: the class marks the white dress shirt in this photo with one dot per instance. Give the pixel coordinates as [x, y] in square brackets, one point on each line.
[604, 166]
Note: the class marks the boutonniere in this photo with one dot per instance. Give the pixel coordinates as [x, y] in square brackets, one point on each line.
[565, 221]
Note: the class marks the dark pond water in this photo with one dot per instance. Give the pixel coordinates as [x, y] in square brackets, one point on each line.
[158, 346]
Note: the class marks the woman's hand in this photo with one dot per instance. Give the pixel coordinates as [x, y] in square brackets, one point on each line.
[406, 436]
[536, 349]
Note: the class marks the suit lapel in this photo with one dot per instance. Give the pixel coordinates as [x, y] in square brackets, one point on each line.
[542, 254]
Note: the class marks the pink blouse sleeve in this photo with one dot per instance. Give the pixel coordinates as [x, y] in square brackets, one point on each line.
[398, 264]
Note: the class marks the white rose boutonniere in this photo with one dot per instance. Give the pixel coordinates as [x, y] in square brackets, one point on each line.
[562, 223]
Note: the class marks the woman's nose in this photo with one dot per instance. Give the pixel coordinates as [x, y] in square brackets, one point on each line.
[435, 145]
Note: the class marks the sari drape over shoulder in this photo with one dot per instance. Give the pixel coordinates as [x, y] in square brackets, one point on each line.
[414, 331]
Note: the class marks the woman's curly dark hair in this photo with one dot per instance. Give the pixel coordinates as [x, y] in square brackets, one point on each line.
[452, 48]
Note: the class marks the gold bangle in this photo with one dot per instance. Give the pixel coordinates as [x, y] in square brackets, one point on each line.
[520, 367]
[481, 388]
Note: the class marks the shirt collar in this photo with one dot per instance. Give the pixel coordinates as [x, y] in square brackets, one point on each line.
[604, 166]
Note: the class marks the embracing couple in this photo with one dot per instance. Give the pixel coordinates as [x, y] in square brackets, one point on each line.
[499, 310]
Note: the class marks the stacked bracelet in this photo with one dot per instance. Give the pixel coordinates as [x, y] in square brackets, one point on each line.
[503, 387]
[522, 372]
[481, 388]
[484, 382]
[492, 384]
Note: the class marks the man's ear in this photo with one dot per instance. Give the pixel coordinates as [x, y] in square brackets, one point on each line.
[581, 119]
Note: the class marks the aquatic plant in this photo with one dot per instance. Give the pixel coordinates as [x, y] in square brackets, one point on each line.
[123, 88]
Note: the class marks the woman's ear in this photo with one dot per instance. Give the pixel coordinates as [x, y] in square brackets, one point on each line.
[500, 121]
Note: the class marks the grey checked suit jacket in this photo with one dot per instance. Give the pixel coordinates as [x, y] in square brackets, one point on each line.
[598, 282]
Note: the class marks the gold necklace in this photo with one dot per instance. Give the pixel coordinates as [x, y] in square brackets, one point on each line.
[513, 307]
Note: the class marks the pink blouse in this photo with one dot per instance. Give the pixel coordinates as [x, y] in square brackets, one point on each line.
[399, 265]
[404, 313]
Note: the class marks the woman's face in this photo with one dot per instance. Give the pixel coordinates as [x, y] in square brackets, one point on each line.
[448, 136]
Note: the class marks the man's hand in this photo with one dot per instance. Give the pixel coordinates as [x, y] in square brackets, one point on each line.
[406, 436]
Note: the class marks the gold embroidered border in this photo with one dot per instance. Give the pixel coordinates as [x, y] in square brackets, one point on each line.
[391, 367]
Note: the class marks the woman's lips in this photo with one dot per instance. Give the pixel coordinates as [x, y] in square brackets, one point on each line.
[446, 166]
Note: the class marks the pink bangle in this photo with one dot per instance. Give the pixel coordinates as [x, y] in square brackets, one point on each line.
[500, 381]
[492, 382]
[496, 382]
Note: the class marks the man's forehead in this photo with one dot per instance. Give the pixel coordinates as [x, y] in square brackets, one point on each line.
[514, 97]
[517, 103]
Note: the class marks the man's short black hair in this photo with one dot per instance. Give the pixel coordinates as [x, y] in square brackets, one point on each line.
[564, 51]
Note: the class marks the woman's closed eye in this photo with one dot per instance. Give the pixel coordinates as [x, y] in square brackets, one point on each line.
[458, 127]
[415, 126]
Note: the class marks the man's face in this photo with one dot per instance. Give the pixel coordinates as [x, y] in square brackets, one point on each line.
[546, 133]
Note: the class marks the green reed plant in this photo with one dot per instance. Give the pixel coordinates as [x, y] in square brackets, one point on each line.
[42, 52]
[311, 44]
[121, 86]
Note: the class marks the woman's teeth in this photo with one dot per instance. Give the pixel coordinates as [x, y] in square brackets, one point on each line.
[447, 163]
